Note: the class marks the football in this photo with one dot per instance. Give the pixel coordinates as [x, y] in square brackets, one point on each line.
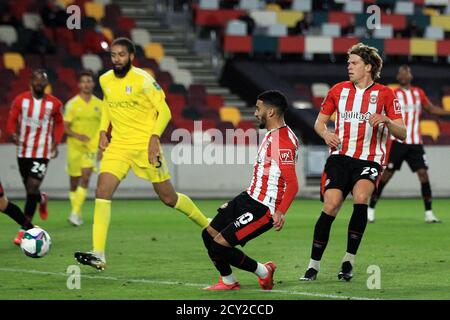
[36, 243]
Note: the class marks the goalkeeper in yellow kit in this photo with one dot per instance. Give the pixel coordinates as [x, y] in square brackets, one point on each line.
[82, 116]
[136, 109]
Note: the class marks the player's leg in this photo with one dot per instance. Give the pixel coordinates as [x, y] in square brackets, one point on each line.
[180, 201]
[32, 188]
[254, 221]
[80, 195]
[397, 154]
[107, 184]
[427, 196]
[385, 178]
[334, 189]
[362, 191]
[74, 171]
[417, 162]
[13, 211]
[332, 202]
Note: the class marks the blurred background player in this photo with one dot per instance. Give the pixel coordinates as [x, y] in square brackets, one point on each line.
[411, 150]
[36, 125]
[366, 111]
[263, 205]
[81, 124]
[13, 211]
[136, 108]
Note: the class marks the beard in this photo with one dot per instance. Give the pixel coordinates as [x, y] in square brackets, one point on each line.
[39, 92]
[262, 123]
[120, 73]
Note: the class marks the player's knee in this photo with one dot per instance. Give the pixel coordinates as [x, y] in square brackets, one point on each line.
[3, 203]
[32, 188]
[331, 206]
[169, 199]
[361, 198]
[103, 192]
[218, 249]
[84, 182]
[423, 175]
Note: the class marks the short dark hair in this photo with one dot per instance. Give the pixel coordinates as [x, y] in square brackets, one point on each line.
[39, 71]
[126, 43]
[274, 98]
[370, 56]
[85, 73]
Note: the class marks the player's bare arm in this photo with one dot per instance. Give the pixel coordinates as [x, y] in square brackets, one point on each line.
[103, 142]
[430, 108]
[396, 127]
[320, 126]
[153, 149]
[70, 133]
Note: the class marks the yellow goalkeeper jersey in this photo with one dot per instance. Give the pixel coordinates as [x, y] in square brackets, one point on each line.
[84, 118]
[135, 106]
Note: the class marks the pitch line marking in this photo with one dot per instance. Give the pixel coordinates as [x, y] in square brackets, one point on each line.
[162, 282]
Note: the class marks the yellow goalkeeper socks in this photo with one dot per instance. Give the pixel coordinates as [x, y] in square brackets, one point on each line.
[72, 196]
[102, 216]
[80, 196]
[185, 205]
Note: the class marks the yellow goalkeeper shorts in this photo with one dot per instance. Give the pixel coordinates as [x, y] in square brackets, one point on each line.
[118, 161]
[78, 159]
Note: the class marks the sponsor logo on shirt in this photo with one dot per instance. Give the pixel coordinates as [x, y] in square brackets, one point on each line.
[353, 115]
[128, 89]
[397, 107]
[122, 104]
[286, 156]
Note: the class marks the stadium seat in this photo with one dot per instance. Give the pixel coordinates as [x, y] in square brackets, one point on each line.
[214, 101]
[231, 114]
[423, 47]
[397, 47]
[94, 10]
[265, 44]
[236, 28]
[291, 44]
[264, 18]
[209, 4]
[331, 30]
[140, 36]
[430, 128]
[315, 44]
[237, 44]
[273, 7]
[444, 128]
[404, 7]
[65, 3]
[341, 45]
[184, 77]
[126, 23]
[386, 31]
[302, 5]
[168, 63]
[320, 89]
[13, 61]
[354, 6]
[436, 33]
[277, 30]
[250, 5]
[107, 32]
[441, 21]
[32, 21]
[91, 62]
[289, 18]
[446, 102]
[8, 34]
[154, 50]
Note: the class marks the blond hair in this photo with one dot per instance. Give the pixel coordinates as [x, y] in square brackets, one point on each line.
[370, 56]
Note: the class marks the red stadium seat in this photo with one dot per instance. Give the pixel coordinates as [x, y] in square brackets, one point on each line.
[443, 48]
[126, 23]
[246, 124]
[397, 46]
[291, 44]
[341, 45]
[343, 18]
[237, 44]
[214, 101]
[398, 21]
[205, 17]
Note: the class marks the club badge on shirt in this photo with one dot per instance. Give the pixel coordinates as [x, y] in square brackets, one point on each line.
[128, 89]
[397, 107]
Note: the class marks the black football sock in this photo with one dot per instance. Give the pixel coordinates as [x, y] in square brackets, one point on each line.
[221, 265]
[426, 195]
[377, 194]
[234, 256]
[356, 227]
[321, 235]
[17, 215]
[30, 205]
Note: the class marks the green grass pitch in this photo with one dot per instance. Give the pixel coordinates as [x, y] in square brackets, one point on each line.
[154, 252]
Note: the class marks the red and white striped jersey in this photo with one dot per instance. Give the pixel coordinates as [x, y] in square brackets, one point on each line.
[38, 123]
[274, 181]
[411, 100]
[353, 108]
